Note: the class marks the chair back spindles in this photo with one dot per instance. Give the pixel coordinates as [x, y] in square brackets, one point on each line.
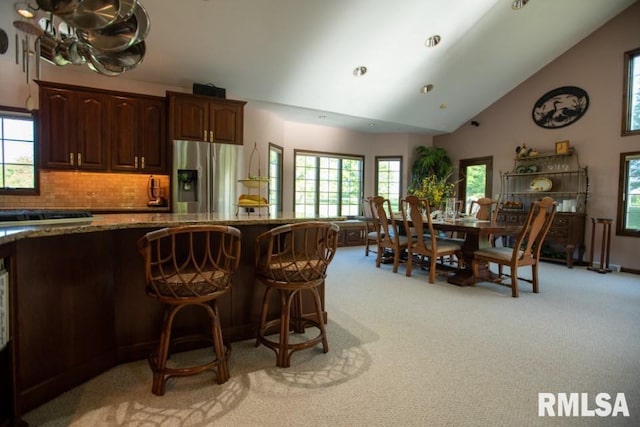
[190, 262]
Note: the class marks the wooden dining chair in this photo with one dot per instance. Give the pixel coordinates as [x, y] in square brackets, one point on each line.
[482, 208]
[373, 225]
[389, 237]
[526, 250]
[416, 213]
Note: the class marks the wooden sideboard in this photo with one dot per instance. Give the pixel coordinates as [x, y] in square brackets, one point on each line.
[560, 176]
[565, 239]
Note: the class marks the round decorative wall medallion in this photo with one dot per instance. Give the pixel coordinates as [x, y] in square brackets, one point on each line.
[560, 107]
[4, 41]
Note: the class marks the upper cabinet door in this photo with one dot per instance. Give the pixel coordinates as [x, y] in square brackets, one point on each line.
[153, 135]
[138, 134]
[189, 118]
[205, 118]
[124, 116]
[227, 122]
[57, 128]
[92, 115]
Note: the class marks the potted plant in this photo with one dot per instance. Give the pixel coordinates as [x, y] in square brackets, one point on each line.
[429, 161]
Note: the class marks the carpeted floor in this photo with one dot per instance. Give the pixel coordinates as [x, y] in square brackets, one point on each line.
[404, 352]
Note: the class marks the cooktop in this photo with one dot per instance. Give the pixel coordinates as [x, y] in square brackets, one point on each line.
[41, 216]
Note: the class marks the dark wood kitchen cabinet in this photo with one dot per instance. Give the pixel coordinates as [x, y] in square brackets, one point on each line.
[204, 118]
[138, 134]
[94, 129]
[73, 129]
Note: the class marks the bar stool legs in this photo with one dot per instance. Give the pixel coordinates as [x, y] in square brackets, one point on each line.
[158, 360]
[605, 247]
[291, 319]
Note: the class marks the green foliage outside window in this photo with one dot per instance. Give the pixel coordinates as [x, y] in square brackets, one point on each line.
[17, 148]
[631, 117]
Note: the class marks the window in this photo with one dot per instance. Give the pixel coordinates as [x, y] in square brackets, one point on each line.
[275, 178]
[631, 104]
[327, 184]
[628, 223]
[476, 178]
[389, 179]
[17, 153]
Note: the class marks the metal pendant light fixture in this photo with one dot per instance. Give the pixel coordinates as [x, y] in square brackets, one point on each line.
[106, 35]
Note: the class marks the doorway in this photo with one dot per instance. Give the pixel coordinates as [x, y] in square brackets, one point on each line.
[476, 179]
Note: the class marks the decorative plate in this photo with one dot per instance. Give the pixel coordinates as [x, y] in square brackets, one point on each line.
[541, 184]
[532, 169]
[560, 107]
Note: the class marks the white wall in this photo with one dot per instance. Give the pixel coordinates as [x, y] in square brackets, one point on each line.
[595, 65]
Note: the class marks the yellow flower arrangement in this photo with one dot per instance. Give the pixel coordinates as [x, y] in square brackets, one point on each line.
[435, 190]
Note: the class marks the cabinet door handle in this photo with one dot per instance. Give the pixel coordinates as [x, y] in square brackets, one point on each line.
[142, 163]
[79, 159]
[211, 135]
[71, 159]
[205, 135]
[135, 162]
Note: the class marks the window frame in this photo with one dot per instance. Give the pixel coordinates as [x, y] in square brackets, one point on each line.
[276, 205]
[341, 156]
[621, 229]
[377, 161]
[629, 57]
[22, 113]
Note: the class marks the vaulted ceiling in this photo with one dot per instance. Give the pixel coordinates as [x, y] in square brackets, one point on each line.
[297, 57]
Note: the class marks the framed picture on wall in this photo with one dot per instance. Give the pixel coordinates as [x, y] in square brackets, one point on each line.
[562, 147]
[560, 107]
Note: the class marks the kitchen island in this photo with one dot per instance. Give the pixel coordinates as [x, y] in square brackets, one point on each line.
[78, 305]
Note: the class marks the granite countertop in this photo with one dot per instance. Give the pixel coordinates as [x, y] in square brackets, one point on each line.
[104, 222]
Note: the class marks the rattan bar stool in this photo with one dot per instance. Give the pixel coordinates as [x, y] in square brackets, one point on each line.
[189, 266]
[292, 259]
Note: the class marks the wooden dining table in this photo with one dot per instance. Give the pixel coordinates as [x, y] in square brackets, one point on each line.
[476, 235]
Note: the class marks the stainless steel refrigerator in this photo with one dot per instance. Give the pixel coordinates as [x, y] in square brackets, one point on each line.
[205, 177]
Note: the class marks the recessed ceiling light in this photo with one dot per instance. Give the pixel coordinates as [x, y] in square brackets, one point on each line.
[519, 4]
[24, 10]
[360, 71]
[372, 124]
[426, 88]
[432, 41]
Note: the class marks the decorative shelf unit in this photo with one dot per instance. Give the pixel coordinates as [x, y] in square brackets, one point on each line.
[561, 177]
[257, 188]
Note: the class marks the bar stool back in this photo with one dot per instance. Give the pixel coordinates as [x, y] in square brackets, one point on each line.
[189, 266]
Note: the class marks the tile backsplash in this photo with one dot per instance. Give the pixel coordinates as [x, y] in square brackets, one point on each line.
[87, 190]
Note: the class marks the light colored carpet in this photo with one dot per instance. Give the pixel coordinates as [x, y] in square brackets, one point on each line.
[403, 352]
